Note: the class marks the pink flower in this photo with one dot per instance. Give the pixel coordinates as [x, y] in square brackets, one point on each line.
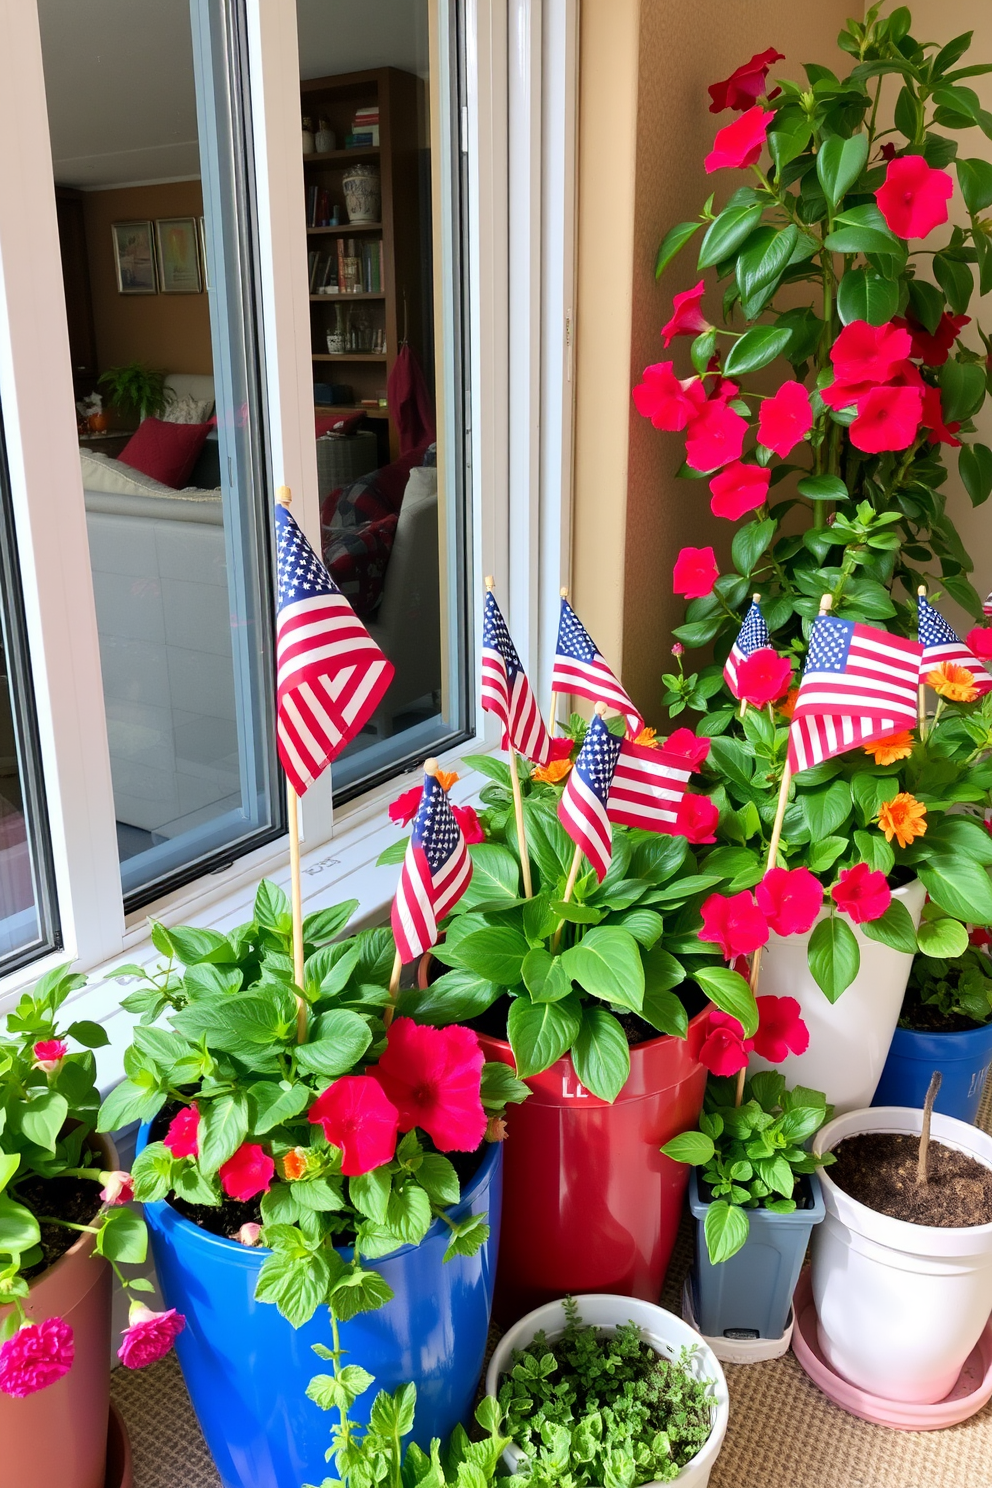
[869, 354]
[181, 1138]
[717, 1042]
[789, 899]
[913, 198]
[888, 419]
[714, 437]
[49, 1054]
[738, 489]
[35, 1357]
[979, 642]
[687, 318]
[740, 144]
[862, 894]
[979, 937]
[249, 1172]
[468, 819]
[250, 1234]
[357, 1116]
[734, 923]
[745, 84]
[763, 677]
[933, 349]
[433, 1078]
[697, 819]
[695, 572]
[780, 1029]
[404, 808]
[562, 749]
[785, 418]
[691, 747]
[933, 420]
[665, 400]
[149, 1335]
[118, 1187]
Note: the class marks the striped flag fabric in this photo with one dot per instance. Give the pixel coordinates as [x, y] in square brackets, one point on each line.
[752, 635]
[330, 673]
[987, 605]
[648, 786]
[436, 872]
[506, 691]
[940, 643]
[580, 669]
[859, 684]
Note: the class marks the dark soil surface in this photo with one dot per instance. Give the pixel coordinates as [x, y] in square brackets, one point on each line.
[879, 1170]
[637, 1030]
[925, 1017]
[74, 1199]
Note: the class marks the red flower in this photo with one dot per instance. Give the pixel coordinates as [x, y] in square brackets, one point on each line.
[49, 1054]
[468, 819]
[933, 348]
[249, 1172]
[780, 1029]
[562, 748]
[666, 401]
[691, 747]
[181, 1138]
[739, 144]
[695, 573]
[404, 808]
[888, 419]
[979, 642]
[118, 1187]
[36, 1356]
[697, 819]
[790, 900]
[734, 923]
[746, 84]
[785, 418]
[869, 354]
[433, 1078]
[887, 151]
[717, 1041]
[913, 199]
[933, 420]
[357, 1116]
[763, 677]
[149, 1335]
[862, 894]
[714, 437]
[687, 318]
[738, 489]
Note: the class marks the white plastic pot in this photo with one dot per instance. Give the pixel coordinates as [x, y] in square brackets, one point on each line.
[664, 1331]
[848, 1039]
[899, 1306]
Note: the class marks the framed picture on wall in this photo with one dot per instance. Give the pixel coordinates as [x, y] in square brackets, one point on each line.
[134, 257]
[178, 255]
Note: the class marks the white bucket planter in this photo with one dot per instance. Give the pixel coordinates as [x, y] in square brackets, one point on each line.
[848, 1039]
[664, 1331]
[899, 1306]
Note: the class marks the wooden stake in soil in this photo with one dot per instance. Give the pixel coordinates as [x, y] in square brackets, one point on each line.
[562, 594]
[284, 496]
[921, 1170]
[518, 805]
[922, 694]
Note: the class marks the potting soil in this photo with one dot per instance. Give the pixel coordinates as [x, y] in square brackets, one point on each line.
[74, 1200]
[879, 1169]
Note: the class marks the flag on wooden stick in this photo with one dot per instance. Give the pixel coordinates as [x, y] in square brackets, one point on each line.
[942, 644]
[581, 669]
[506, 692]
[752, 636]
[436, 872]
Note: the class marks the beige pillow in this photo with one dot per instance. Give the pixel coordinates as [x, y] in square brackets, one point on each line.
[102, 473]
[187, 410]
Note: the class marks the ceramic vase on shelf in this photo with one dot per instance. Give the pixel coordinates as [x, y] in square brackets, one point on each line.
[309, 144]
[362, 194]
[325, 139]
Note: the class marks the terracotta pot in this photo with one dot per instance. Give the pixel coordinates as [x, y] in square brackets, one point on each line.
[57, 1438]
[120, 1465]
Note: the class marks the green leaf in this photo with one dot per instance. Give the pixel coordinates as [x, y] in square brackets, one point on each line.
[297, 1284]
[467, 1237]
[495, 875]
[438, 1176]
[750, 541]
[369, 1192]
[875, 851]
[864, 240]
[823, 488]
[500, 1086]
[756, 348]
[575, 914]
[826, 810]
[359, 1291]
[927, 303]
[272, 909]
[496, 953]
[731, 994]
[692, 1147]
[894, 928]
[786, 144]
[42, 1118]
[90, 1035]
[193, 945]
[864, 295]
[728, 232]
[662, 971]
[274, 1104]
[541, 1032]
[944, 938]
[834, 957]
[454, 998]
[601, 1054]
[839, 163]
[645, 925]
[223, 1127]
[409, 1213]
[975, 470]
[545, 977]
[761, 264]
[664, 1011]
[672, 243]
[975, 180]
[19, 1229]
[726, 1229]
[342, 1039]
[956, 280]
[325, 924]
[607, 963]
[123, 1237]
[392, 1415]
[9, 1164]
[959, 886]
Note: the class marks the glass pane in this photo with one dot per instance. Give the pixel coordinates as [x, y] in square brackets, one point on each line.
[381, 204]
[156, 230]
[28, 919]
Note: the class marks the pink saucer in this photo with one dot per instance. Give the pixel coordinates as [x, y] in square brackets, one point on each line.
[972, 1391]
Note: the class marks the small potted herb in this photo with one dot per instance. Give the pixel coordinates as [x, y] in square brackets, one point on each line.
[136, 390]
[756, 1192]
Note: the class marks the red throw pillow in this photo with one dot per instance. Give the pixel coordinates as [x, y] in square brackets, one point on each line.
[166, 452]
[338, 423]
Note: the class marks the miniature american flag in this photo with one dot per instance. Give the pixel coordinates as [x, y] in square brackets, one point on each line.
[331, 674]
[987, 605]
[752, 635]
[436, 872]
[507, 692]
[580, 669]
[859, 684]
[940, 643]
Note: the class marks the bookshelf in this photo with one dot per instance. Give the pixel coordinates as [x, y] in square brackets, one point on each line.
[396, 278]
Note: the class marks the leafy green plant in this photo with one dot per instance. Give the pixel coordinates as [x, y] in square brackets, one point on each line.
[752, 1155]
[136, 389]
[597, 1408]
[950, 987]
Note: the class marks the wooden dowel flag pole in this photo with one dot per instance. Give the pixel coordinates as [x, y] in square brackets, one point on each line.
[518, 805]
[573, 872]
[284, 496]
[755, 599]
[922, 706]
[562, 594]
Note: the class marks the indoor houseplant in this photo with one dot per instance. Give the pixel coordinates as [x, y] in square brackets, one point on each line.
[136, 390]
[271, 1170]
[64, 1228]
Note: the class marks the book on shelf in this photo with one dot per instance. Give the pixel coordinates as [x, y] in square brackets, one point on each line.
[367, 115]
[362, 139]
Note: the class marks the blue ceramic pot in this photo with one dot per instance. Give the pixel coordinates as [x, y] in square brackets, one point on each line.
[247, 1370]
[962, 1058]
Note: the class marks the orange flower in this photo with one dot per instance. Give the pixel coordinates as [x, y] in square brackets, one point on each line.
[446, 779]
[902, 818]
[788, 704]
[647, 738]
[891, 748]
[294, 1164]
[955, 683]
[553, 773]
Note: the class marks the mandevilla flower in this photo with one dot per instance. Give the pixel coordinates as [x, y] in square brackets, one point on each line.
[740, 144]
[933, 420]
[433, 1078]
[933, 348]
[49, 1054]
[714, 437]
[691, 747]
[695, 572]
[865, 353]
[668, 402]
[249, 1172]
[745, 84]
[404, 808]
[734, 923]
[763, 676]
[913, 198]
[182, 1135]
[785, 419]
[979, 642]
[35, 1357]
[862, 894]
[738, 489]
[149, 1335]
[687, 318]
[790, 900]
[781, 1030]
[697, 817]
[717, 1042]
[356, 1115]
[888, 419]
[468, 819]
[118, 1188]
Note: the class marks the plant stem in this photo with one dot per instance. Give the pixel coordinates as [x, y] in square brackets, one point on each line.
[921, 1167]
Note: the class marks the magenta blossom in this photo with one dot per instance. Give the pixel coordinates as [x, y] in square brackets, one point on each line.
[118, 1187]
[149, 1335]
[734, 923]
[790, 899]
[740, 144]
[781, 1030]
[35, 1357]
[49, 1054]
